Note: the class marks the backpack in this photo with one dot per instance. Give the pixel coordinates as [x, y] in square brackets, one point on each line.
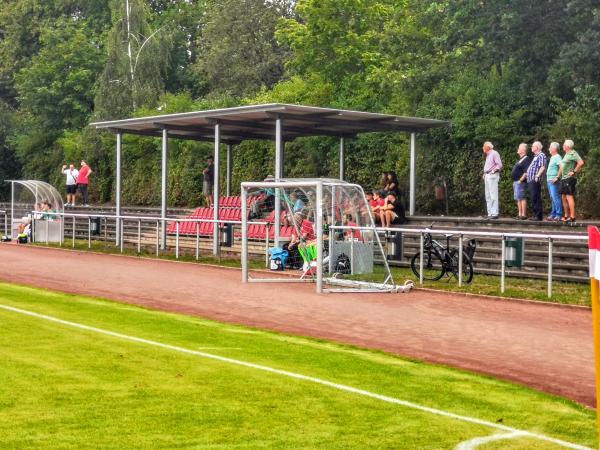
[342, 265]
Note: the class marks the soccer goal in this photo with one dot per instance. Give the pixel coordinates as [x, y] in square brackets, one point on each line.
[302, 216]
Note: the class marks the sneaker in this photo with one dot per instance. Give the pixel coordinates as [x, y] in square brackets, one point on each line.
[493, 217]
[86, 205]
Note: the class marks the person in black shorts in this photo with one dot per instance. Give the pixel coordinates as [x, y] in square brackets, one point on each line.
[392, 212]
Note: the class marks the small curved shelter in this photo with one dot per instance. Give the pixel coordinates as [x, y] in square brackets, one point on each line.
[26, 198]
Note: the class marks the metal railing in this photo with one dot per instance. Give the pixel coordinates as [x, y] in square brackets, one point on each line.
[3, 212]
[156, 222]
[461, 234]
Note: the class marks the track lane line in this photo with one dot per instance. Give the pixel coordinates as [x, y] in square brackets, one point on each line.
[298, 376]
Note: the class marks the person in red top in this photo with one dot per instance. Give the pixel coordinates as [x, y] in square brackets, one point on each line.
[376, 204]
[83, 181]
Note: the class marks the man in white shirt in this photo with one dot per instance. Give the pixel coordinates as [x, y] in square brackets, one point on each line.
[71, 174]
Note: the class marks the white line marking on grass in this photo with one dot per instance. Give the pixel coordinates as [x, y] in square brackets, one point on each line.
[472, 444]
[297, 376]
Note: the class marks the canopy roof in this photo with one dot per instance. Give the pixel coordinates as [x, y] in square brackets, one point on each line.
[42, 192]
[257, 122]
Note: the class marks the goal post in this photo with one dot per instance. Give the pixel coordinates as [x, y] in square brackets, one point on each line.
[331, 238]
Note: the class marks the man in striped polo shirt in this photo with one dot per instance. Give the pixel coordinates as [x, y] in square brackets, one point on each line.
[534, 180]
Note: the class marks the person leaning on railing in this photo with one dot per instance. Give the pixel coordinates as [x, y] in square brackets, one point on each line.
[570, 166]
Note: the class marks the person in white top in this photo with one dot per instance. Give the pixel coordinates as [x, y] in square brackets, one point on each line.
[71, 174]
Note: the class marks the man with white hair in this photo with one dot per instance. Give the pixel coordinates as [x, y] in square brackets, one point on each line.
[570, 166]
[553, 181]
[534, 180]
[491, 178]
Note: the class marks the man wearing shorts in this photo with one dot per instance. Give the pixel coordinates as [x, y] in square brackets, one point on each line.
[72, 173]
[570, 166]
[519, 173]
[209, 180]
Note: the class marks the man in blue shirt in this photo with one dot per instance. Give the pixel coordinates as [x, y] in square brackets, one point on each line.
[534, 180]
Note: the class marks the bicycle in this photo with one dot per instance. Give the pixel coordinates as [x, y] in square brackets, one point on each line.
[439, 261]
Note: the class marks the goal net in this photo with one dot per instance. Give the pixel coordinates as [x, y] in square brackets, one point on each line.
[322, 232]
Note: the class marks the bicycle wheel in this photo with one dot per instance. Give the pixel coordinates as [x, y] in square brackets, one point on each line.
[433, 267]
[467, 266]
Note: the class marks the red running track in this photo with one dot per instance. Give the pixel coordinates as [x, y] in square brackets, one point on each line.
[547, 347]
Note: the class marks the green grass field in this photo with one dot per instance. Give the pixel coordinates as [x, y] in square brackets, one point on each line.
[66, 387]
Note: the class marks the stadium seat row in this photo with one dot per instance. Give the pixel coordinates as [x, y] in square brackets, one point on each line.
[191, 228]
[233, 214]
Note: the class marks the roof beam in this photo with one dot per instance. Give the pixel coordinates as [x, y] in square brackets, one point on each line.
[188, 137]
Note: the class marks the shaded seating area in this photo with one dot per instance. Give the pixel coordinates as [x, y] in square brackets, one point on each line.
[229, 211]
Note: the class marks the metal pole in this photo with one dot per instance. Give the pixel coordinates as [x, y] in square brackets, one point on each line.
[278, 175]
[342, 159]
[139, 236]
[176, 239]
[413, 170]
[118, 182]
[502, 268]
[550, 245]
[12, 206]
[216, 190]
[460, 259]
[157, 236]
[229, 164]
[122, 232]
[331, 235]
[89, 232]
[73, 231]
[105, 229]
[47, 230]
[267, 248]
[197, 241]
[244, 235]
[421, 246]
[163, 187]
[319, 225]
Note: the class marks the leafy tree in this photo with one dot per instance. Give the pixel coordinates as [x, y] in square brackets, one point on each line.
[237, 50]
[136, 62]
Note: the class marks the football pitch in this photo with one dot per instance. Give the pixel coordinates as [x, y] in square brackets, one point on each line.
[80, 372]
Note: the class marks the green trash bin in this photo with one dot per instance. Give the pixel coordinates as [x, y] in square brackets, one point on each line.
[514, 254]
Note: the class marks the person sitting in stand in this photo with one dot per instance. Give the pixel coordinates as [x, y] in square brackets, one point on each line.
[352, 233]
[376, 204]
[304, 232]
[297, 203]
[392, 212]
[391, 185]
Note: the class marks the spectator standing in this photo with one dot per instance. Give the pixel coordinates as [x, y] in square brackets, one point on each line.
[570, 166]
[83, 181]
[553, 181]
[519, 174]
[491, 178]
[72, 173]
[209, 180]
[535, 173]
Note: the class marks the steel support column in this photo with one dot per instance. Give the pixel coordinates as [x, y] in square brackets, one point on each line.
[163, 188]
[118, 185]
[278, 175]
[413, 174]
[229, 164]
[217, 189]
[342, 158]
